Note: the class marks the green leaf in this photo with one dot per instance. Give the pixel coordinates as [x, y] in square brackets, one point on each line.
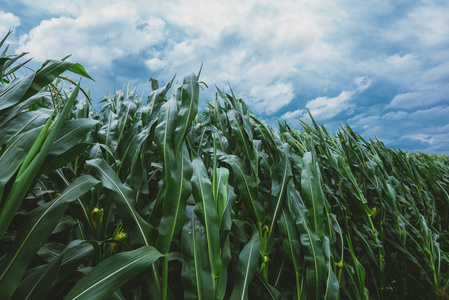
[221, 194]
[284, 174]
[16, 67]
[64, 158]
[187, 97]
[291, 245]
[38, 226]
[73, 257]
[5, 37]
[14, 91]
[112, 273]
[127, 109]
[49, 251]
[108, 133]
[312, 192]
[155, 99]
[36, 146]
[246, 185]
[222, 282]
[179, 189]
[124, 199]
[65, 223]
[164, 134]
[71, 134]
[202, 192]
[239, 134]
[19, 108]
[79, 69]
[270, 291]
[23, 182]
[332, 281]
[246, 267]
[23, 123]
[45, 75]
[38, 285]
[13, 156]
[355, 188]
[134, 143]
[196, 273]
[314, 260]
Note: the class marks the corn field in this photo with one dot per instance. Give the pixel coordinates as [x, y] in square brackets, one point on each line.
[156, 200]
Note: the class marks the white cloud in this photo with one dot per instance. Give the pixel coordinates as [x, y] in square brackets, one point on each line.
[437, 74]
[426, 24]
[398, 115]
[421, 80]
[323, 108]
[432, 90]
[155, 64]
[417, 99]
[293, 114]
[63, 7]
[269, 99]
[401, 69]
[407, 100]
[362, 83]
[95, 37]
[426, 138]
[8, 21]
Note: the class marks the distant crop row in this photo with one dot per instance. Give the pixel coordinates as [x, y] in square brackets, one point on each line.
[155, 200]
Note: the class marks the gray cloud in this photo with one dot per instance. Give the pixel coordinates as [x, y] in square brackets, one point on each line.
[275, 55]
[424, 130]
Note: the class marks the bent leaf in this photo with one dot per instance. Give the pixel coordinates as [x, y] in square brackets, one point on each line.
[39, 224]
[109, 275]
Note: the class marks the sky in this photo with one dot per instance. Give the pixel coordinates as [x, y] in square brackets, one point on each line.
[380, 66]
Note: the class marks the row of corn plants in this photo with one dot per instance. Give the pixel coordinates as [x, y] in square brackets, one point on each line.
[155, 200]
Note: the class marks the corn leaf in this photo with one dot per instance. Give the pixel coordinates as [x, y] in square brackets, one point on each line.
[205, 206]
[79, 69]
[38, 285]
[124, 199]
[13, 156]
[179, 189]
[23, 182]
[187, 97]
[14, 91]
[291, 245]
[40, 223]
[313, 193]
[155, 101]
[246, 267]
[112, 273]
[71, 134]
[314, 260]
[280, 187]
[246, 185]
[196, 272]
[164, 134]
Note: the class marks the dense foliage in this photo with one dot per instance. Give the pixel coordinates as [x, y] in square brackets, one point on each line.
[151, 200]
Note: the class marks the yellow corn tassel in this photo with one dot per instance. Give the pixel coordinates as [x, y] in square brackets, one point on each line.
[96, 213]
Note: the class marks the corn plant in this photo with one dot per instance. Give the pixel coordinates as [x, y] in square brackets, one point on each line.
[152, 199]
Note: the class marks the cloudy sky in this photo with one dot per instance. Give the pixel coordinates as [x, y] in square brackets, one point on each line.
[381, 66]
